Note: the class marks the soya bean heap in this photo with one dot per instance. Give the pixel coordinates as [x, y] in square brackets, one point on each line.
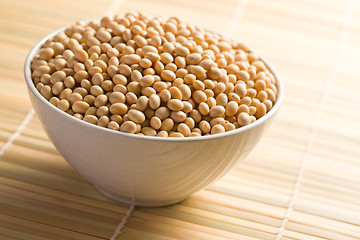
[153, 76]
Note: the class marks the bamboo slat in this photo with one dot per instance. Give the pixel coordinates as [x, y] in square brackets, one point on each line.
[314, 47]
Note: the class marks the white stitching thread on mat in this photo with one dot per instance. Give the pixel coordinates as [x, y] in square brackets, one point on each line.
[111, 10]
[114, 6]
[122, 223]
[17, 131]
[237, 15]
[348, 13]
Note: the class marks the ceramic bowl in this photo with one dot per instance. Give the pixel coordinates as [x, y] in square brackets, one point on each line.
[144, 170]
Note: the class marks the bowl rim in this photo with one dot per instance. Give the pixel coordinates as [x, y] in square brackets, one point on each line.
[31, 86]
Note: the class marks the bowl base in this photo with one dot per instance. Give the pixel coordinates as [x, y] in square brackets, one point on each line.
[139, 203]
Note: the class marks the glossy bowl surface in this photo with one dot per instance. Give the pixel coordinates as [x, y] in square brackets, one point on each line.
[144, 170]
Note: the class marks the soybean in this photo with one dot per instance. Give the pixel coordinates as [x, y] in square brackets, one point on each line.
[153, 77]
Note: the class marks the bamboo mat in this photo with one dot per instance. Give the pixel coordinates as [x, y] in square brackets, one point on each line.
[301, 182]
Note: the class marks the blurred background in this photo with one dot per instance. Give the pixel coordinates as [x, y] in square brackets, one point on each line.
[301, 182]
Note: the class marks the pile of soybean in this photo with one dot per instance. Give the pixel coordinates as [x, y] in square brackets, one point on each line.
[153, 76]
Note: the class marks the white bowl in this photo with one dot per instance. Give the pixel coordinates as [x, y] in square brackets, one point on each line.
[144, 170]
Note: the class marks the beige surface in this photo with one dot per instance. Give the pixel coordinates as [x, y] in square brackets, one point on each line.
[302, 181]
